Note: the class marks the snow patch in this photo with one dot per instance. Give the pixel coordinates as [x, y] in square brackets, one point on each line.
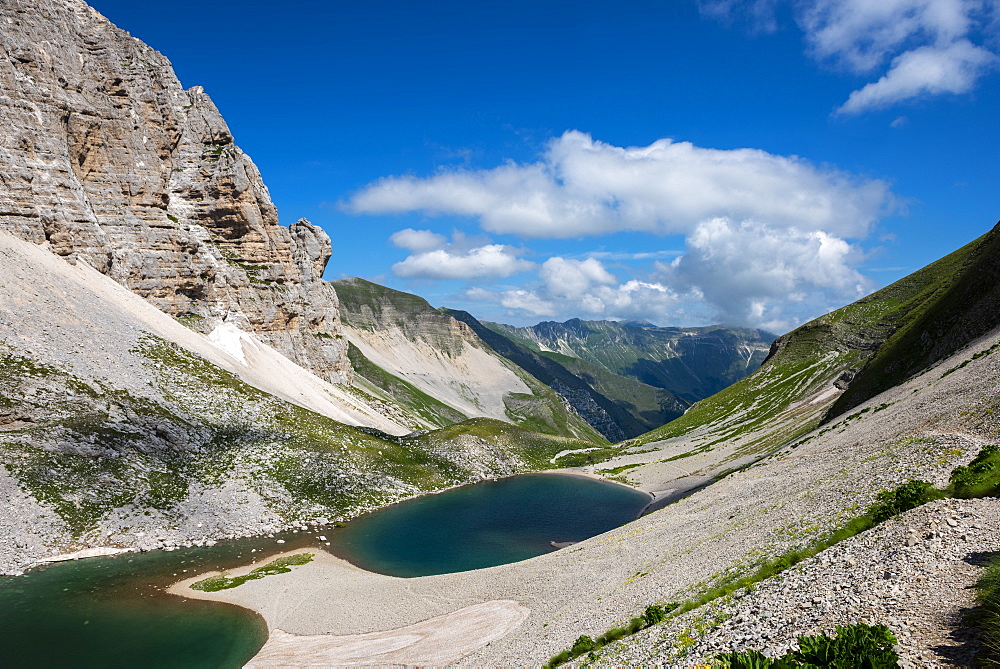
[230, 338]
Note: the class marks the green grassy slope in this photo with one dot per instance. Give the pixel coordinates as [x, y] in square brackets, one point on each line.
[649, 405]
[958, 301]
[89, 450]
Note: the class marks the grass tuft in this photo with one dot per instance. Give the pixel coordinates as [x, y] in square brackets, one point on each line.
[279, 566]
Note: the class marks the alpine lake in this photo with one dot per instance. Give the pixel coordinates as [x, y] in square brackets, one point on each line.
[113, 612]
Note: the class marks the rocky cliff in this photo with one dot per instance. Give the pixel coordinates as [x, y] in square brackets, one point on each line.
[105, 158]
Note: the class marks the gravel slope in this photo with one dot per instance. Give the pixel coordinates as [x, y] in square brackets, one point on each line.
[914, 573]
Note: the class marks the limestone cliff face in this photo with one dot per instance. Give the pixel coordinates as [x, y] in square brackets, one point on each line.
[105, 158]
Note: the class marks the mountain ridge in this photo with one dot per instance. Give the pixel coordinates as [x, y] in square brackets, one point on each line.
[664, 357]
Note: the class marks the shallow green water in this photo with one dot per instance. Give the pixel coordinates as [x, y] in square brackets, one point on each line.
[112, 612]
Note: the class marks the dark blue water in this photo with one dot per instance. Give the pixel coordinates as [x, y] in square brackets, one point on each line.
[486, 524]
[112, 612]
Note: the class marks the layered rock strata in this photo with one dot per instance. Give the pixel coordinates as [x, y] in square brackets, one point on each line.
[106, 159]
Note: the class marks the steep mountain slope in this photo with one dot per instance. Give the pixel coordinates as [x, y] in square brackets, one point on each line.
[957, 301]
[107, 159]
[617, 406]
[414, 352]
[691, 363]
[120, 426]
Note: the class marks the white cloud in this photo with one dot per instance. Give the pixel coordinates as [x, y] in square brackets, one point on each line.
[756, 275]
[765, 235]
[737, 273]
[492, 260]
[572, 279]
[418, 240]
[464, 257]
[573, 288]
[585, 187]
[929, 46]
[634, 300]
[863, 35]
[517, 299]
[928, 70]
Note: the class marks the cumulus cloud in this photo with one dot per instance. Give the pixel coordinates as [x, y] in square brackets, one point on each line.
[753, 274]
[418, 240]
[569, 288]
[572, 279]
[435, 258]
[517, 299]
[765, 235]
[581, 187]
[931, 47]
[928, 70]
[738, 273]
[492, 260]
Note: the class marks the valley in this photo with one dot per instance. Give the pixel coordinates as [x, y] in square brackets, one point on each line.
[176, 374]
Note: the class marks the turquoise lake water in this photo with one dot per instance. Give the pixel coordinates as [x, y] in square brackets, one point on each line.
[486, 524]
[112, 612]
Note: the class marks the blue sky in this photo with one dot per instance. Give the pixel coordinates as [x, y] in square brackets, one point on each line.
[683, 162]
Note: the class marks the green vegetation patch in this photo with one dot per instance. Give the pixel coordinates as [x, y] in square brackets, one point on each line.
[619, 470]
[279, 566]
[985, 618]
[853, 647]
[584, 645]
[980, 478]
[533, 449]
[941, 308]
[976, 356]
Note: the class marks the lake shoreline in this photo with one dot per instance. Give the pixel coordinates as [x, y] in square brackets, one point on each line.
[384, 606]
[104, 551]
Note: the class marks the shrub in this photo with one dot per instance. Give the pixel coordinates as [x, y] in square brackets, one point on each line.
[583, 644]
[980, 478]
[902, 498]
[985, 618]
[655, 613]
[857, 646]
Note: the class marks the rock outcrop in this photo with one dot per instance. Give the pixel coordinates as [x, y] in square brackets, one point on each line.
[105, 158]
